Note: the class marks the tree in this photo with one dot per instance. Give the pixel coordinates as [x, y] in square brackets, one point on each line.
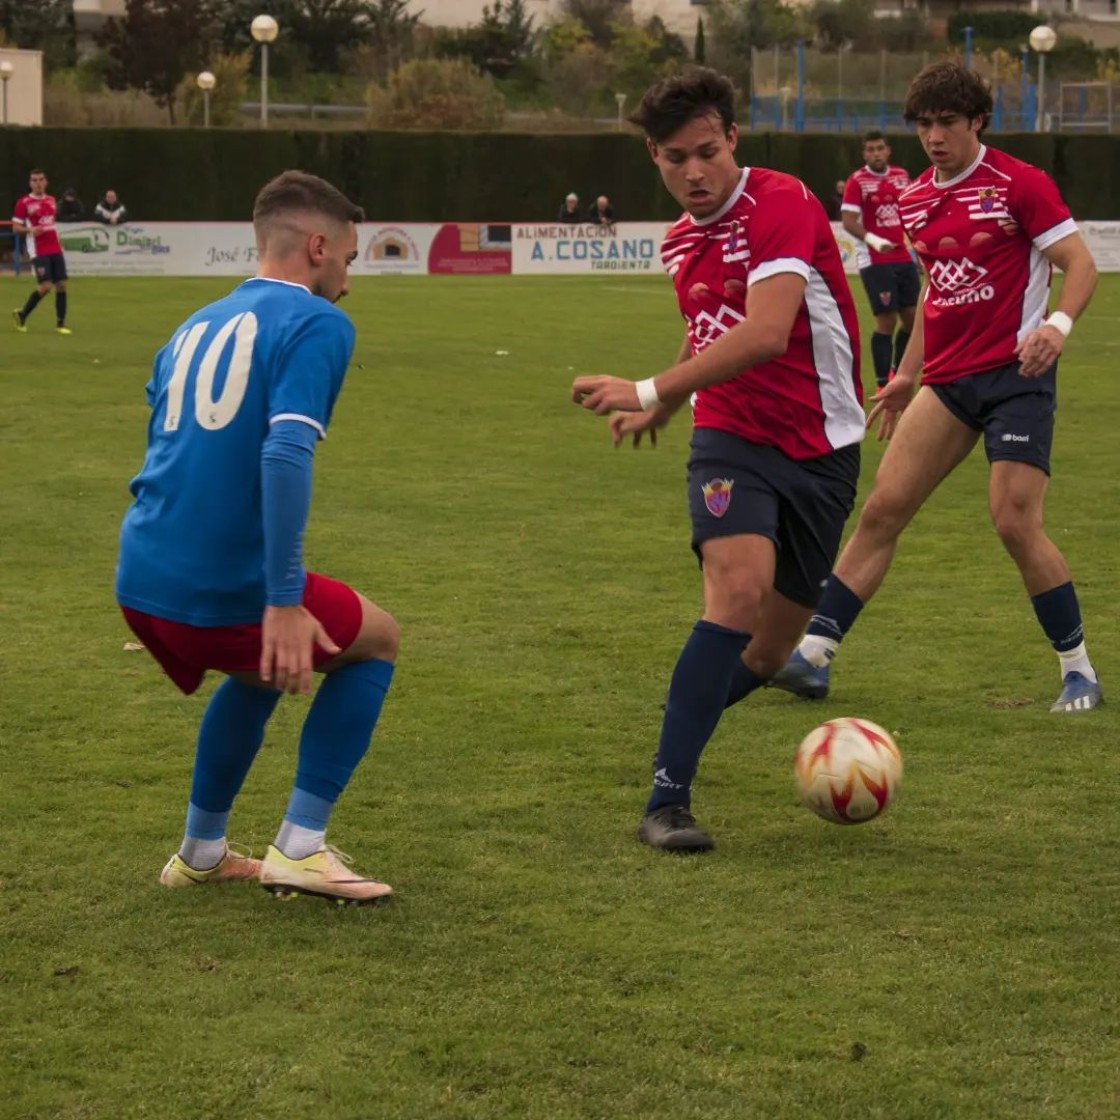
[391, 29]
[699, 51]
[40, 25]
[598, 16]
[155, 44]
[839, 22]
[498, 43]
[437, 93]
[324, 28]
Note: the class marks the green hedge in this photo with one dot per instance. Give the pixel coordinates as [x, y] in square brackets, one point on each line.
[196, 175]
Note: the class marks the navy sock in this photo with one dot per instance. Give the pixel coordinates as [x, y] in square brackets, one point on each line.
[837, 611]
[60, 307]
[338, 728]
[1060, 616]
[743, 682]
[229, 737]
[881, 356]
[698, 693]
[31, 304]
[900, 341]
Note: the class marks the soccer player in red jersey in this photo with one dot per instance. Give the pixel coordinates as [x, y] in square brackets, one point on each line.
[988, 229]
[869, 213]
[771, 352]
[34, 217]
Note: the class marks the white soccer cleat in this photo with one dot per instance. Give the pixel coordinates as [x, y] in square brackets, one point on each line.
[324, 874]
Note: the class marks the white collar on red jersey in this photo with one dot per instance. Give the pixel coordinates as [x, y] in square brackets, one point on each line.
[878, 174]
[736, 194]
[965, 173]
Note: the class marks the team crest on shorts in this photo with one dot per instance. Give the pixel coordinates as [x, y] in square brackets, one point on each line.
[717, 495]
[884, 298]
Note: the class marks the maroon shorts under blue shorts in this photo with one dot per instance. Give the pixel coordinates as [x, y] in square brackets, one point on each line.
[185, 652]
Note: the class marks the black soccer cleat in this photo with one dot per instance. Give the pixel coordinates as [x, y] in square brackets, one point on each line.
[672, 828]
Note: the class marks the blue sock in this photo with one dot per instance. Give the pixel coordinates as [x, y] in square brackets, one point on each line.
[837, 611]
[698, 693]
[60, 308]
[881, 356]
[901, 338]
[743, 681]
[229, 737]
[1060, 616]
[336, 734]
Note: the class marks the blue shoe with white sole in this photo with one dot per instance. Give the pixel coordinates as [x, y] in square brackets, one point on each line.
[802, 678]
[1079, 694]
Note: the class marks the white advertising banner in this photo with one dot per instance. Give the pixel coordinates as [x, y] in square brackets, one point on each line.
[557, 249]
[412, 248]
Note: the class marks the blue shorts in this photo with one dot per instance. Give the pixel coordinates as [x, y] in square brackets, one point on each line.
[50, 269]
[1015, 413]
[891, 287]
[737, 487]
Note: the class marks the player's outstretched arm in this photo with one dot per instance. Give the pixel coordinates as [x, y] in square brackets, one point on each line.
[772, 307]
[650, 420]
[1040, 349]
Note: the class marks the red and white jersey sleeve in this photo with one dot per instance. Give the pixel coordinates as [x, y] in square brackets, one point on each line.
[873, 197]
[807, 402]
[980, 237]
[37, 212]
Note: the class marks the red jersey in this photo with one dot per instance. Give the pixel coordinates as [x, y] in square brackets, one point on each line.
[807, 402]
[37, 212]
[980, 238]
[873, 196]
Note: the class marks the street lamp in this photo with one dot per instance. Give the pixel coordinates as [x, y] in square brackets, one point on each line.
[206, 82]
[264, 29]
[1042, 40]
[620, 100]
[6, 71]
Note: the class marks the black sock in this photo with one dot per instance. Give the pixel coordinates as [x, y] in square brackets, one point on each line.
[900, 341]
[60, 307]
[30, 305]
[1058, 613]
[697, 695]
[837, 611]
[881, 356]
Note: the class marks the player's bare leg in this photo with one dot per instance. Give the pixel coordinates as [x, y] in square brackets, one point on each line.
[1016, 498]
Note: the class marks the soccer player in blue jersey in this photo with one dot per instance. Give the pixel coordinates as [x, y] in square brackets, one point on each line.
[211, 572]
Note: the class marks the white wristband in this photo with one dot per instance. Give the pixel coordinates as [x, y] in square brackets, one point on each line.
[1060, 321]
[875, 241]
[647, 393]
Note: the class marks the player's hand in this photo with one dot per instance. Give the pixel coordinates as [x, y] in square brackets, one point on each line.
[1039, 350]
[888, 405]
[625, 424]
[289, 636]
[602, 394]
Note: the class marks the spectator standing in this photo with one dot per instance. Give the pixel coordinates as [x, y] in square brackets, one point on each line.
[569, 211]
[111, 210]
[70, 207]
[601, 212]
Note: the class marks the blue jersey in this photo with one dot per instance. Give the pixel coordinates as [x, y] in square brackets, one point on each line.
[192, 542]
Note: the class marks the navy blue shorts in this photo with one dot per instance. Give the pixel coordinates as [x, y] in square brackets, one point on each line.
[50, 269]
[891, 287]
[737, 487]
[1015, 413]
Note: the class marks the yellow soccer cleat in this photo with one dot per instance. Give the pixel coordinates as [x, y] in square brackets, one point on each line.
[63, 330]
[17, 319]
[234, 867]
[324, 874]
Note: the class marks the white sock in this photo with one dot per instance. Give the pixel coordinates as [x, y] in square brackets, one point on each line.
[202, 855]
[297, 842]
[1077, 661]
[818, 650]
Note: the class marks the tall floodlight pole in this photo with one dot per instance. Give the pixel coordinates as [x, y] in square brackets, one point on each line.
[206, 82]
[1042, 40]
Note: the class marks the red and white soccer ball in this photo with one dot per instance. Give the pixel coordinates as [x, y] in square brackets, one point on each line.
[848, 770]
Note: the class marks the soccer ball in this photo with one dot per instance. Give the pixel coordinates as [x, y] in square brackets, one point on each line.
[848, 770]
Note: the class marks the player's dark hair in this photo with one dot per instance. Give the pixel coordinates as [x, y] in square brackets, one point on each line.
[36, 171]
[296, 191]
[948, 87]
[674, 101]
[872, 134]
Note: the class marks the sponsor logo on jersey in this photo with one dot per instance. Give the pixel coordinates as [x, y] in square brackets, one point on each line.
[717, 495]
[706, 327]
[957, 282]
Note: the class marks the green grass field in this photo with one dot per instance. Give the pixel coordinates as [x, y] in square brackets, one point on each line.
[955, 959]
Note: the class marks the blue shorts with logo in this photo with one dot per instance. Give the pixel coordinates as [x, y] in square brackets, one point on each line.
[891, 287]
[1015, 413]
[737, 487]
[49, 269]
